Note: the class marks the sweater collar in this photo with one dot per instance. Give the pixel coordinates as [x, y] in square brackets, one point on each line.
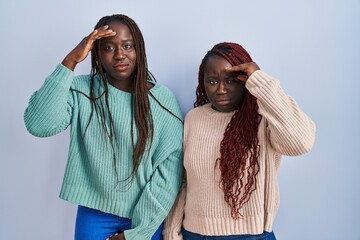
[117, 92]
[207, 108]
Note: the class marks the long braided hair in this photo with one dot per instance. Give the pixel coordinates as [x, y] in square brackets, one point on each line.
[239, 148]
[140, 104]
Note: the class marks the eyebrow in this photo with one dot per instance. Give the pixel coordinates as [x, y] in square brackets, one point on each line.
[231, 74]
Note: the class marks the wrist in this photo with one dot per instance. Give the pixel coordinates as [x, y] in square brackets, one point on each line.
[69, 63]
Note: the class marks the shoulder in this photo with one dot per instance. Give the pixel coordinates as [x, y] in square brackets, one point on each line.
[197, 112]
[164, 104]
[81, 81]
[162, 91]
[82, 84]
[164, 96]
[195, 116]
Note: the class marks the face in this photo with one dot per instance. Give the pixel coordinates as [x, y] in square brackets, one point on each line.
[223, 89]
[118, 55]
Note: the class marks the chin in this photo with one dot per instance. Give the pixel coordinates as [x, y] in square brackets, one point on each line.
[228, 109]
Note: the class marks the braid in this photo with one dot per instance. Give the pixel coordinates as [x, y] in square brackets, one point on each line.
[239, 148]
[140, 103]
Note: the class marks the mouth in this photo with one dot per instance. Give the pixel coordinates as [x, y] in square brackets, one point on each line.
[121, 67]
[223, 102]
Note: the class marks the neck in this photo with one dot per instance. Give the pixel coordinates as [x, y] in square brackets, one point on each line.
[123, 85]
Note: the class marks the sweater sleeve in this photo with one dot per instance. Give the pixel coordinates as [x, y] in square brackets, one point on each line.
[161, 191]
[50, 108]
[291, 132]
[173, 222]
[157, 198]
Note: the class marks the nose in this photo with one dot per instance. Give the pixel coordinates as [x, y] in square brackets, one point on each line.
[221, 89]
[119, 54]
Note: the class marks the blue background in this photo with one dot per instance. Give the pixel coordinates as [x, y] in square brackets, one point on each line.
[311, 46]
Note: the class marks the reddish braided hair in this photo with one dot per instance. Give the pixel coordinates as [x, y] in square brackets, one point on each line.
[239, 148]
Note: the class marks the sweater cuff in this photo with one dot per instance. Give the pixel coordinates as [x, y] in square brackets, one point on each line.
[172, 235]
[260, 81]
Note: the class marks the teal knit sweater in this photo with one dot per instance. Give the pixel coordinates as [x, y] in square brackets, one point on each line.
[90, 178]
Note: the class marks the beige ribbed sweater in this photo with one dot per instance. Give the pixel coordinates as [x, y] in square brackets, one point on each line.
[200, 207]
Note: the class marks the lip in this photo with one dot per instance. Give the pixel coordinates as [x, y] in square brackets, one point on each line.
[121, 67]
[223, 102]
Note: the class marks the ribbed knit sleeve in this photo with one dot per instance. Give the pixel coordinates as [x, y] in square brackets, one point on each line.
[156, 199]
[291, 131]
[49, 109]
[173, 222]
[160, 192]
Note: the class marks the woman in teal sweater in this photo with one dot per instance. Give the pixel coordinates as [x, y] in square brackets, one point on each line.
[125, 156]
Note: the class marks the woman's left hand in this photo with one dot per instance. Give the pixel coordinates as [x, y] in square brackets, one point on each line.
[117, 236]
[243, 70]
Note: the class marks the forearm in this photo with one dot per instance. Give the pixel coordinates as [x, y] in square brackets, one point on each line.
[48, 112]
[156, 199]
[291, 131]
[173, 222]
[69, 62]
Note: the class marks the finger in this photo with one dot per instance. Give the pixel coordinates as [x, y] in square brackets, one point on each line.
[104, 31]
[238, 68]
[112, 236]
[242, 77]
[244, 69]
[89, 40]
[103, 27]
[100, 33]
[108, 33]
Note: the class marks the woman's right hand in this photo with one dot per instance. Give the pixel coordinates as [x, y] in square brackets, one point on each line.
[117, 236]
[81, 51]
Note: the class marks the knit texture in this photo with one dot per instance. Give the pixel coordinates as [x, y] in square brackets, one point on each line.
[90, 178]
[200, 207]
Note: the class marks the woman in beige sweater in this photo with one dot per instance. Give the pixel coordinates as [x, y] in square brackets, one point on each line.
[234, 138]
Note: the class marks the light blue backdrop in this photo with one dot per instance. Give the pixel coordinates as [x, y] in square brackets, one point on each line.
[312, 47]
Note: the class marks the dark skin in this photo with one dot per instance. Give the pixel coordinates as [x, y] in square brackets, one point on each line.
[117, 236]
[223, 89]
[82, 50]
[222, 85]
[118, 56]
[243, 71]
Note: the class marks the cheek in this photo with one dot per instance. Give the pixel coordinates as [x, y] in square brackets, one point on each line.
[210, 94]
[209, 90]
[104, 59]
[132, 57]
[238, 93]
[241, 90]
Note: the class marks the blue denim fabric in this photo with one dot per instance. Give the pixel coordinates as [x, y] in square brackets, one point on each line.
[92, 224]
[194, 236]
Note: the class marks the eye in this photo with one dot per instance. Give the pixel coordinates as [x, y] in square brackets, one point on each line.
[127, 46]
[230, 80]
[212, 81]
[109, 48]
